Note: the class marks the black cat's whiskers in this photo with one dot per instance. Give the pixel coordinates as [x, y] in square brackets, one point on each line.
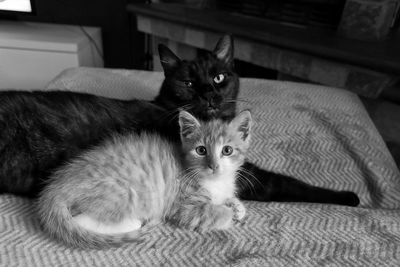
[173, 118]
[175, 110]
[168, 114]
[232, 100]
[174, 113]
[185, 107]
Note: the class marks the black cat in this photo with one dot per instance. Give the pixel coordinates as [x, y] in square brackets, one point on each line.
[39, 131]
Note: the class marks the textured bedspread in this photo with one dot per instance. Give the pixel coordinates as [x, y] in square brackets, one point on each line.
[320, 135]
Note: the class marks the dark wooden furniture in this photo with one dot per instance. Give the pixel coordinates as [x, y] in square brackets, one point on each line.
[317, 55]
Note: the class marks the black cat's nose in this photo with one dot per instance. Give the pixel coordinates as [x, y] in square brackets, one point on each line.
[212, 99]
[211, 104]
[209, 98]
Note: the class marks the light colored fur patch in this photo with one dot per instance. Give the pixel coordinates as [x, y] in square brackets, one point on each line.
[125, 226]
[220, 187]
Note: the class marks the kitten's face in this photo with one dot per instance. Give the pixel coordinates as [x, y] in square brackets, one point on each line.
[206, 87]
[215, 148]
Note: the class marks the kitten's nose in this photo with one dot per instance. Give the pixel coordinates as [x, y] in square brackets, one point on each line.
[213, 166]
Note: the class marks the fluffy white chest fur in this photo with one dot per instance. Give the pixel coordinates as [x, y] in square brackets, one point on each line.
[221, 187]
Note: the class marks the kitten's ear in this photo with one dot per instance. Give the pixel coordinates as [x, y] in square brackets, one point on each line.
[224, 49]
[189, 125]
[168, 59]
[242, 125]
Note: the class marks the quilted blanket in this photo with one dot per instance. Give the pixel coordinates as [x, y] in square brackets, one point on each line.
[317, 134]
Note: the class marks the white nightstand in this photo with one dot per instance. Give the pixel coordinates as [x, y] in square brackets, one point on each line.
[32, 54]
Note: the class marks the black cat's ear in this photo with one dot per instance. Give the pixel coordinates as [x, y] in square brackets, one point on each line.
[224, 49]
[188, 124]
[169, 60]
[241, 124]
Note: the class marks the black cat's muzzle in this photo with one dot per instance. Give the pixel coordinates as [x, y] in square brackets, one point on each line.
[213, 112]
[207, 111]
[213, 102]
[210, 105]
[213, 107]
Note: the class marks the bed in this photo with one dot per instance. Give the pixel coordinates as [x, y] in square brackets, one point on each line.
[317, 134]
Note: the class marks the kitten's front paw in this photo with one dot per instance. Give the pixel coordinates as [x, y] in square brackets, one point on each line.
[223, 217]
[237, 207]
[211, 217]
[220, 217]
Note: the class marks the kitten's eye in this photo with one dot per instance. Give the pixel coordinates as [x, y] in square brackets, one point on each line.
[219, 78]
[227, 150]
[201, 150]
[188, 84]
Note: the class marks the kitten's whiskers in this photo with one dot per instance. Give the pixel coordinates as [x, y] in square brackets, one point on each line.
[245, 183]
[242, 178]
[188, 177]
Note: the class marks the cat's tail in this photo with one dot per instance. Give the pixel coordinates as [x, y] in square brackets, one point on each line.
[83, 231]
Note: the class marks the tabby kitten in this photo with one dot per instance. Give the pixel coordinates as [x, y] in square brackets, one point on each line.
[118, 190]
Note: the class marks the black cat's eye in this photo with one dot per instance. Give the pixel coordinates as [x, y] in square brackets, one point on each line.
[227, 150]
[201, 150]
[219, 78]
[188, 84]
